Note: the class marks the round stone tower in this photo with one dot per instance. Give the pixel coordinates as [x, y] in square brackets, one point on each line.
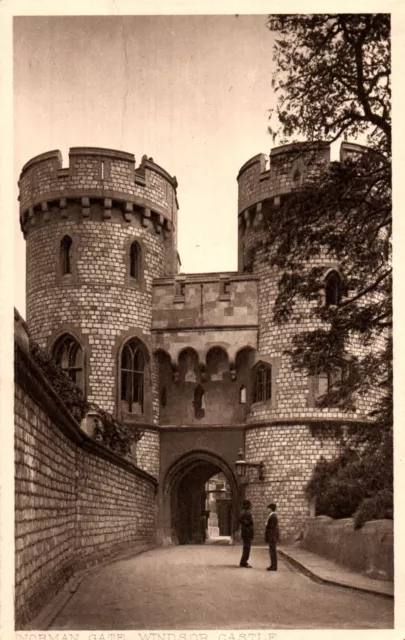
[286, 429]
[97, 233]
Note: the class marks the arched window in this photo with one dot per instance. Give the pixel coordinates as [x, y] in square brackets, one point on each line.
[135, 261]
[333, 289]
[199, 402]
[66, 255]
[69, 356]
[132, 377]
[262, 383]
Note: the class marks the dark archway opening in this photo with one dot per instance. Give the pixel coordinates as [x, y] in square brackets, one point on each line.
[203, 497]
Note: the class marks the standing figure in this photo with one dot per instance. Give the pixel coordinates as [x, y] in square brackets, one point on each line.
[247, 533]
[203, 526]
[272, 536]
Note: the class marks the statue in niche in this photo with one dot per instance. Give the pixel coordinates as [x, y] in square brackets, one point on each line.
[190, 376]
[188, 367]
[217, 365]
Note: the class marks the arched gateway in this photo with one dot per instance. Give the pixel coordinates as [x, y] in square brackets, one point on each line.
[184, 496]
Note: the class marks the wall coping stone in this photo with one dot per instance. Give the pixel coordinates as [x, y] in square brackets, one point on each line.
[384, 523]
[101, 151]
[234, 276]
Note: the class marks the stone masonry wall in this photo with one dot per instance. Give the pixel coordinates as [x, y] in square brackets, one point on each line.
[148, 452]
[293, 392]
[75, 500]
[113, 510]
[204, 301]
[103, 204]
[289, 453]
[45, 505]
[368, 550]
[293, 389]
[98, 305]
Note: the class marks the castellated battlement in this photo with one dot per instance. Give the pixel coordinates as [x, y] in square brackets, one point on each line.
[290, 167]
[96, 175]
[196, 301]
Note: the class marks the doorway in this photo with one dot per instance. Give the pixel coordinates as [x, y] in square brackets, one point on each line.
[201, 495]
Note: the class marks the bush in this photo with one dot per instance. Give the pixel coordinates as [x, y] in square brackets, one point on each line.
[335, 497]
[378, 507]
[353, 483]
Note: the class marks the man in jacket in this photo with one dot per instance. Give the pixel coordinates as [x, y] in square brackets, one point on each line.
[272, 536]
[247, 533]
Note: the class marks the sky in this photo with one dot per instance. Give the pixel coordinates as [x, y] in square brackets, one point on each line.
[193, 92]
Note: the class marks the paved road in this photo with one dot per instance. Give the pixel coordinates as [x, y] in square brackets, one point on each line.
[202, 587]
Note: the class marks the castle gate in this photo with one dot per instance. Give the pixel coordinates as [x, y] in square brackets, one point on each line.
[184, 498]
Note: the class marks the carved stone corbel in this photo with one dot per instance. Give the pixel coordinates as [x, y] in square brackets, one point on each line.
[107, 207]
[129, 208]
[146, 216]
[64, 212]
[85, 207]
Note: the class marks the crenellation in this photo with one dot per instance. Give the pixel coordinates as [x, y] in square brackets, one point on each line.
[97, 173]
[290, 166]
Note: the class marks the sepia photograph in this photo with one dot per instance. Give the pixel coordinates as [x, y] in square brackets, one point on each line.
[203, 369]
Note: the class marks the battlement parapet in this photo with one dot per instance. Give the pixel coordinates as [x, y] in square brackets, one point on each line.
[204, 299]
[290, 166]
[96, 173]
[351, 150]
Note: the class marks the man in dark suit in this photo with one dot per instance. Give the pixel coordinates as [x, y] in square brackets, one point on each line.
[272, 536]
[247, 533]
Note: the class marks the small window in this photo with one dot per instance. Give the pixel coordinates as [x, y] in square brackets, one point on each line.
[327, 379]
[225, 287]
[199, 402]
[69, 356]
[66, 255]
[102, 169]
[242, 395]
[132, 377]
[135, 259]
[262, 383]
[333, 289]
[179, 290]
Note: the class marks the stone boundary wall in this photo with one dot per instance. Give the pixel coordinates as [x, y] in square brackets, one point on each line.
[369, 550]
[76, 502]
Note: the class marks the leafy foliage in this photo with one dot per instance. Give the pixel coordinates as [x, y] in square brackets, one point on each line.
[332, 79]
[71, 396]
[378, 507]
[333, 76]
[350, 484]
[109, 431]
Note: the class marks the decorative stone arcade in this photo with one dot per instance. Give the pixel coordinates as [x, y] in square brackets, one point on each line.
[184, 497]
